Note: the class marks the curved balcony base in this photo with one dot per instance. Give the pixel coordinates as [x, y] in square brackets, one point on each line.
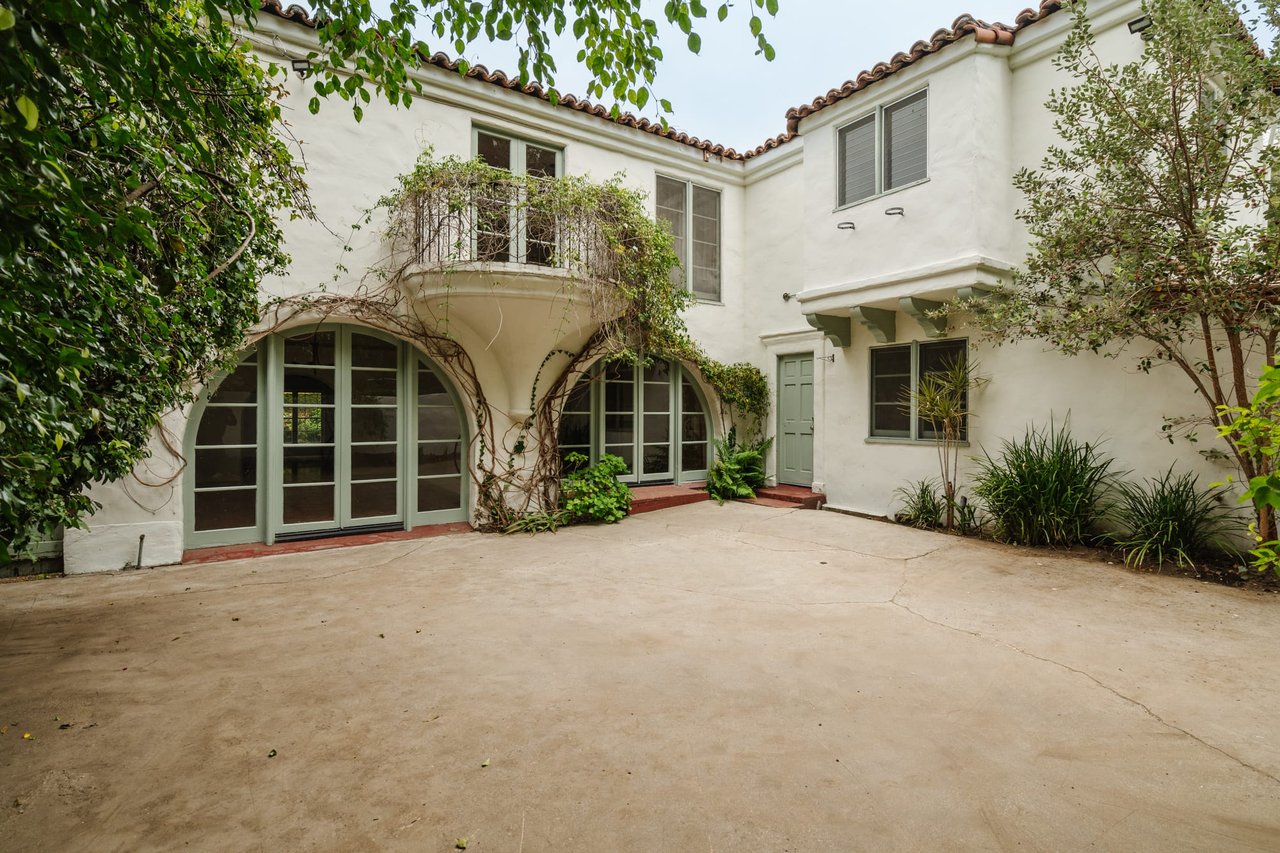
[508, 317]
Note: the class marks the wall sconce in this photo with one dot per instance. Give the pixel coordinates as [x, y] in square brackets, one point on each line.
[1140, 24]
[846, 226]
[301, 66]
[895, 211]
[831, 358]
[786, 297]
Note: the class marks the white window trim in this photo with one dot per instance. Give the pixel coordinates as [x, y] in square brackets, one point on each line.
[686, 262]
[878, 111]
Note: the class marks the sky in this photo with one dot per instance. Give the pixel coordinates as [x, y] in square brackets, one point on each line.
[731, 96]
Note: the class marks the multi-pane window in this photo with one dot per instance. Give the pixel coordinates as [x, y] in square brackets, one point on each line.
[692, 213]
[653, 418]
[884, 151]
[501, 234]
[896, 372]
[315, 433]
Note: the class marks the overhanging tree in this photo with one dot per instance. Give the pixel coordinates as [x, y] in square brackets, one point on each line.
[144, 178]
[1154, 223]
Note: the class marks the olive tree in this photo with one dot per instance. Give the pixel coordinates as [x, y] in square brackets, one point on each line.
[1155, 221]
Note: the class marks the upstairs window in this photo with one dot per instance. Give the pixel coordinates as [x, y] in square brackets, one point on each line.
[501, 233]
[693, 215]
[884, 151]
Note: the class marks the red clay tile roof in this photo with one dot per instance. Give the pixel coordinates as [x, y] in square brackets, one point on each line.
[961, 27]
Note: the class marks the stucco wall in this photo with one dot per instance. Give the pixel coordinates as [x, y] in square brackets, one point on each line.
[987, 119]
[778, 235]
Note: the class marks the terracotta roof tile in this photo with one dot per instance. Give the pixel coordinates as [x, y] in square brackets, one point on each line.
[962, 26]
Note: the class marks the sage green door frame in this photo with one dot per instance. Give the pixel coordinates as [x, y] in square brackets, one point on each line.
[675, 418]
[343, 515]
[268, 488]
[795, 419]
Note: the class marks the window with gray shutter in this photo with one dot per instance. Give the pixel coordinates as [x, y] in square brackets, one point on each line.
[883, 151]
[906, 141]
[858, 161]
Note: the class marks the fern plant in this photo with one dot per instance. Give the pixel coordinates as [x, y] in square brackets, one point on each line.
[738, 470]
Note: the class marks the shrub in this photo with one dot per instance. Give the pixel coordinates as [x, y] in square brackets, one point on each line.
[594, 493]
[1170, 519]
[1045, 489]
[738, 470]
[587, 494]
[923, 504]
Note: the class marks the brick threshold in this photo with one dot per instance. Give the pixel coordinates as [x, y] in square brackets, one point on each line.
[653, 498]
[222, 553]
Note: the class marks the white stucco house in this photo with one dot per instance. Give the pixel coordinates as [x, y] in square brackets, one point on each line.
[814, 256]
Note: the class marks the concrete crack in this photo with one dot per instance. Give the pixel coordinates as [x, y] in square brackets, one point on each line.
[1113, 691]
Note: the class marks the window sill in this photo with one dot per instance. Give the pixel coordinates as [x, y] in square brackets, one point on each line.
[907, 442]
[878, 196]
[700, 301]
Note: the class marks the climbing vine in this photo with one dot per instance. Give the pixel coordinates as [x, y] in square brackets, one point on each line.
[450, 214]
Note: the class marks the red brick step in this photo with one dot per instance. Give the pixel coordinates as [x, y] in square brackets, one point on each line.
[801, 497]
[650, 498]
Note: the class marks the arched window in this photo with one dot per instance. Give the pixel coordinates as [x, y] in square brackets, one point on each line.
[322, 431]
[654, 418]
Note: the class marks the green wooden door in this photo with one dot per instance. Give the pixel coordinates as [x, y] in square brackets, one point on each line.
[795, 420]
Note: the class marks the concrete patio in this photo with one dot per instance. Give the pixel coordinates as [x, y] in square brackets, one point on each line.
[732, 678]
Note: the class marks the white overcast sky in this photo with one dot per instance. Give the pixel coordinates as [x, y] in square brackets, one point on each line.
[731, 96]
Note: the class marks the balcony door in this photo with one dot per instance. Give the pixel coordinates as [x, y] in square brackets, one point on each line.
[509, 229]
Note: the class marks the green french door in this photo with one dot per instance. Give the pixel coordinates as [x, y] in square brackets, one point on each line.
[655, 419]
[340, 430]
[638, 414]
[795, 420]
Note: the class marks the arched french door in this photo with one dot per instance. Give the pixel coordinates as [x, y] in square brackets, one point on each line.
[322, 431]
[654, 418]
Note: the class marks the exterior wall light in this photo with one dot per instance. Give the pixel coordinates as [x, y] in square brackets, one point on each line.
[1140, 24]
[786, 297]
[895, 211]
[846, 226]
[301, 66]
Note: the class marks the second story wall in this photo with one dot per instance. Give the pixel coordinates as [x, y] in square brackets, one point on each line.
[959, 207]
[351, 164]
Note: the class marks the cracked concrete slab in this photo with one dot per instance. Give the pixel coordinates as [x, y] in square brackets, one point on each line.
[719, 678]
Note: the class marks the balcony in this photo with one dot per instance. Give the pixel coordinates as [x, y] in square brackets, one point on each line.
[511, 266]
[480, 216]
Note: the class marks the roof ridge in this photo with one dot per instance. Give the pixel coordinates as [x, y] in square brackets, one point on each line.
[962, 26]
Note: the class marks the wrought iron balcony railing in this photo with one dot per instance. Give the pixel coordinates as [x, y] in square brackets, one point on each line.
[491, 217]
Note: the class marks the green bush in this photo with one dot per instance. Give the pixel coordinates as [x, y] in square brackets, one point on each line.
[588, 494]
[1045, 489]
[1169, 519]
[594, 493]
[738, 470]
[923, 505]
